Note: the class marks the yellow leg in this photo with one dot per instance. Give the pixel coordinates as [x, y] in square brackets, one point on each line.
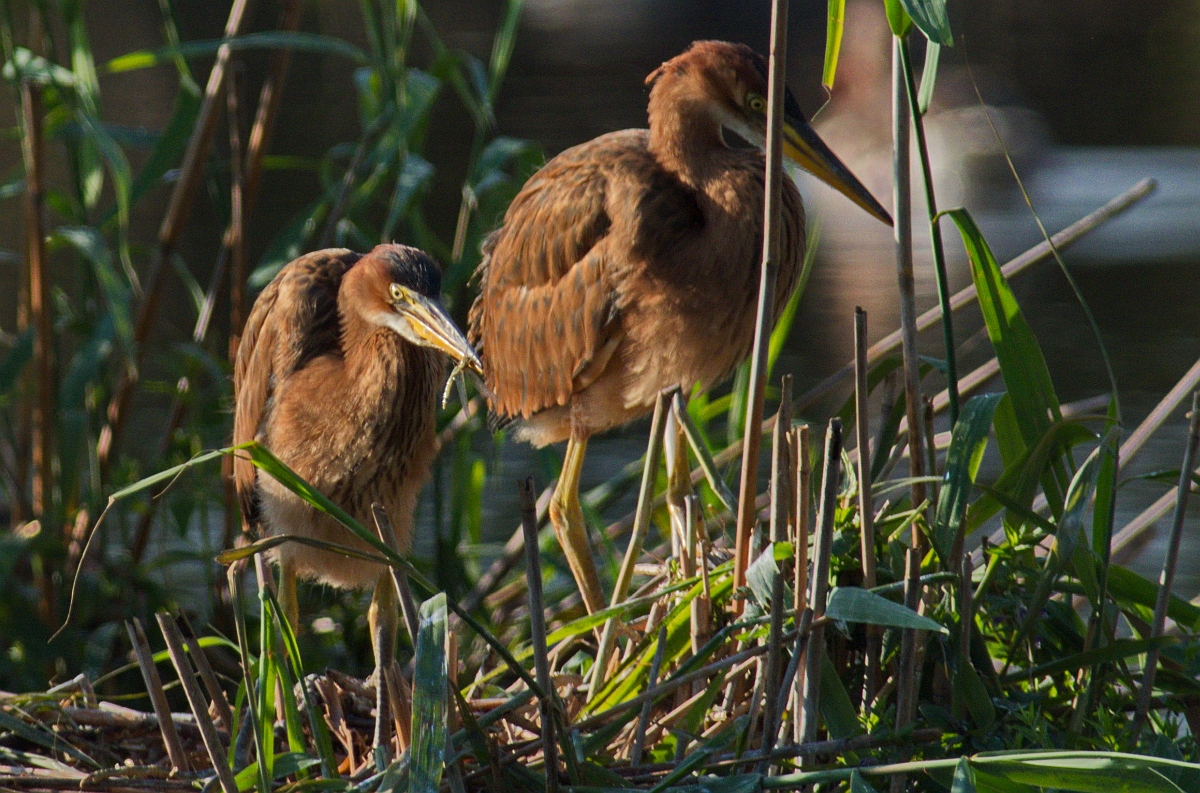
[288, 600]
[382, 618]
[567, 518]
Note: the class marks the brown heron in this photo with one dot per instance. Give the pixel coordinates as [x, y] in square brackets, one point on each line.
[338, 374]
[630, 263]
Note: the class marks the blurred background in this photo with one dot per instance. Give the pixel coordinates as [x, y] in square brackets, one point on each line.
[1086, 98]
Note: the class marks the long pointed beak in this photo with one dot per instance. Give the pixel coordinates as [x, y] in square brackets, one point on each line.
[804, 147]
[433, 325]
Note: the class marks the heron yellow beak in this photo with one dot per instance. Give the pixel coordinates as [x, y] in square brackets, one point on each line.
[804, 147]
[430, 322]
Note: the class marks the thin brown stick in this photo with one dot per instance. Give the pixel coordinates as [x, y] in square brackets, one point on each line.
[236, 238]
[264, 123]
[766, 292]
[208, 731]
[178, 210]
[830, 477]
[537, 625]
[802, 472]
[40, 311]
[158, 697]
[781, 509]
[215, 693]
[866, 509]
[1167, 578]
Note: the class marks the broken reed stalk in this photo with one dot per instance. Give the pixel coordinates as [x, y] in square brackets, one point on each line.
[781, 510]
[866, 510]
[635, 755]
[191, 173]
[801, 474]
[1167, 579]
[633, 552]
[40, 310]
[158, 697]
[187, 677]
[215, 693]
[537, 629]
[766, 293]
[830, 476]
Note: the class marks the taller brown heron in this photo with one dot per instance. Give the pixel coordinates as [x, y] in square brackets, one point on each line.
[630, 264]
[338, 374]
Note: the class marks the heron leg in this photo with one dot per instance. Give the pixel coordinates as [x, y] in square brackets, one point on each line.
[566, 516]
[382, 618]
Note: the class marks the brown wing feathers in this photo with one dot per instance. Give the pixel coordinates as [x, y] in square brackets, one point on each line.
[294, 320]
[545, 300]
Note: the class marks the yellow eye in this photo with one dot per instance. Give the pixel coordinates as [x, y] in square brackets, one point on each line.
[756, 103]
[397, 292]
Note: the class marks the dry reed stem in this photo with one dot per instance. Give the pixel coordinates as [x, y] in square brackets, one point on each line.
[191, 171]
[249, 174]
[1167, 578]
[766, 292]
[40, 310]
[866, 510]
[537, 625]
[802, 473]
[822, 548]
[208, 731]
[215, 693]
[158, 697]
[781, 510]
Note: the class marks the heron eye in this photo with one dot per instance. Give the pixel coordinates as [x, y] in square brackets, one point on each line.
[397, 292]
[756, 103]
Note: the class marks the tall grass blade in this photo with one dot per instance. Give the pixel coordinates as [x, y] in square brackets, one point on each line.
[430, 701]
[967, 444]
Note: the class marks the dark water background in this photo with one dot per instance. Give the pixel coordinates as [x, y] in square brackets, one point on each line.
[1112, 91]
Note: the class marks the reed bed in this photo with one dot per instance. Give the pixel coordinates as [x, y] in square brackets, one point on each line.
[831, 626]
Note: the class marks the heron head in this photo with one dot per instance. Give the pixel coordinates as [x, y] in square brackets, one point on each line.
[407, 297]
[732, 79]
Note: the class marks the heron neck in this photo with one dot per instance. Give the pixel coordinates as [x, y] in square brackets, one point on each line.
[369, 350]
[684, 136]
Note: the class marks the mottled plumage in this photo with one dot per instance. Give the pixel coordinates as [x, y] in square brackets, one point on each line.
[630, 264]
[344, 401]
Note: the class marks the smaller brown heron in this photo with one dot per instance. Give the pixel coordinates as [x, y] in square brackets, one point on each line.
[338, 374]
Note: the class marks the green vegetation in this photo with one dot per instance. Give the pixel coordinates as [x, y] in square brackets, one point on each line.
[1015, 669]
